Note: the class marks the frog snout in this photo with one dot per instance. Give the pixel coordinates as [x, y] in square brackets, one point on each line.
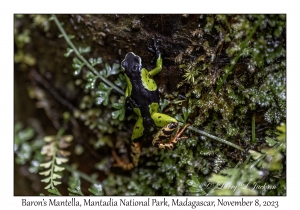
[124, 64]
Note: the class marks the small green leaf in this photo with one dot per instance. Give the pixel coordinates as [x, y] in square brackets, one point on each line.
[115, 69]
[103, 94]
[67, 138]
[102, 165]
[91, 80]
[270, 141]
[69, 51]
[76, 61]
[282, 134]
[194, 189]
[48, 149]
[47, 164]
[121, 81]
[179, 118]
[186, 113]
[163, 104]
[96, 189]
[54, 191]
[45, 173]
[192, 183]
[26, 134]
[195, 186]
[58, 168]
[74, 183]
[56, 176]
[24, 153]
[49, 138]
[108, 70]
[281, 128]
[74, 192]
[46, 180]
[48, 186]
[84, 49]
[118, 105]
[60, 160]
[56, 182]
[71, 36]
[99, 100]
[95, 61]
[118, 113]
[77, 65]
[255, 155]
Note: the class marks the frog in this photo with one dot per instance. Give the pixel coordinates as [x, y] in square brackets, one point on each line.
[142, 97]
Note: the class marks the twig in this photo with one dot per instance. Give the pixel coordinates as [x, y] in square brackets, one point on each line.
[70, 43]
[253, 129]
[215, 138]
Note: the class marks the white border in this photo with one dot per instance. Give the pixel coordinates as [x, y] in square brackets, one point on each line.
[216, 6]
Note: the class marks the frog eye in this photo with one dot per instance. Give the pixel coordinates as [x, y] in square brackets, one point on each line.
[136, 67]
[124, 64]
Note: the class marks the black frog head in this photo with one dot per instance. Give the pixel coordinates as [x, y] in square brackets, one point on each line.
[132, 64]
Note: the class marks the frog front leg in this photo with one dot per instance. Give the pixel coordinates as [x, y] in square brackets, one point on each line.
[166, 131]
[158, 58]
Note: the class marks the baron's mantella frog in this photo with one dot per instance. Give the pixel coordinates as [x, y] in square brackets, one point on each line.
[143, 98]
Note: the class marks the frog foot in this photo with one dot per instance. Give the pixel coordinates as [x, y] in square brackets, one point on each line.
[135, 155]
[173, 140]
[119, 163]
[154, 48]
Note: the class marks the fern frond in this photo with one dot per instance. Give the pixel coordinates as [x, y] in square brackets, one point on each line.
[57, 156]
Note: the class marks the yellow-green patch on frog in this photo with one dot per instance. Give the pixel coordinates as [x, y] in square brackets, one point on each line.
[143, 98]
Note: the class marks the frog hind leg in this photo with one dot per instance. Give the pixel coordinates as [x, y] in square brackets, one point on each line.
[135, 155]
[135, 148]
[166, 132]
[168, 124]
